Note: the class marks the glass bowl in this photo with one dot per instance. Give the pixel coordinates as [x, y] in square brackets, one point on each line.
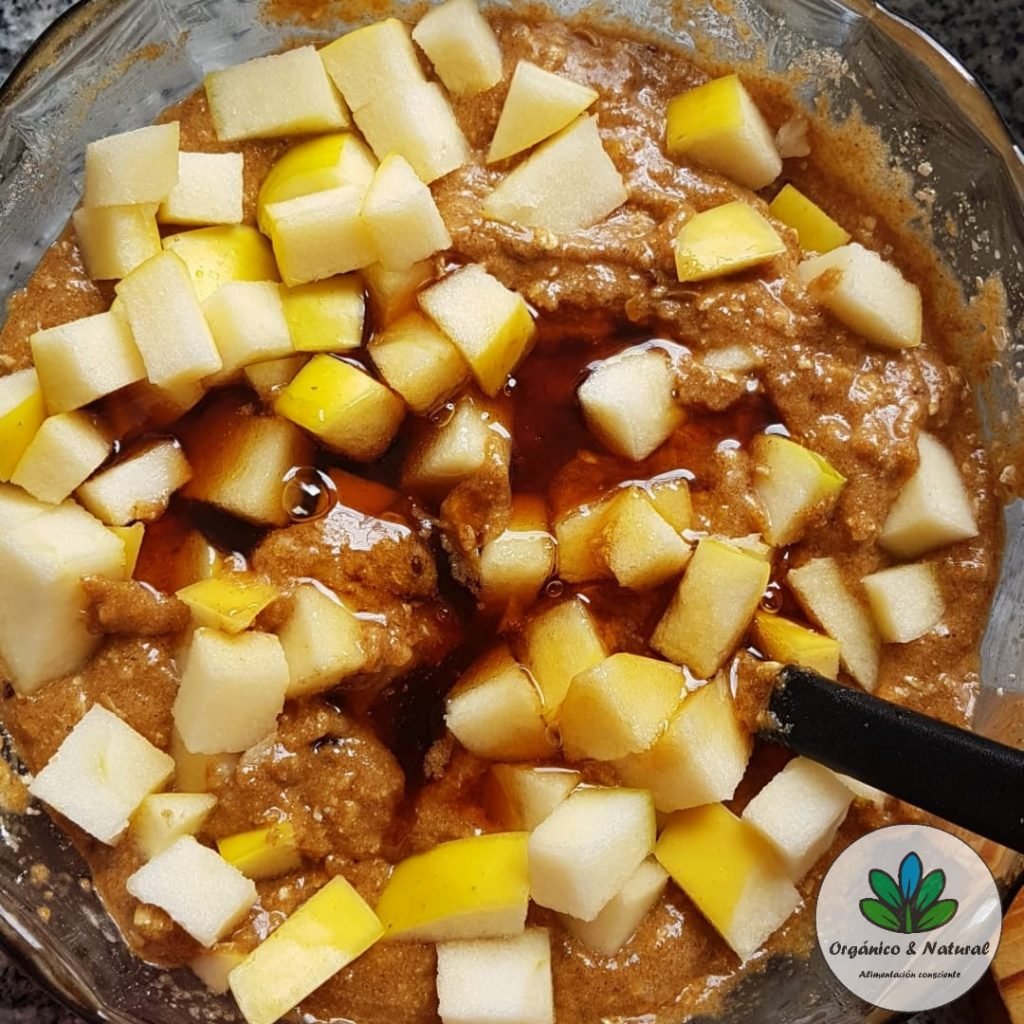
[110, 65]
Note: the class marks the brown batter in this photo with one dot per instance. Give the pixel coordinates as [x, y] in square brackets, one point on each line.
[349, 770]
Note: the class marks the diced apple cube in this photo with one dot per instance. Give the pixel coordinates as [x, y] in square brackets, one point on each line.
[132, 537]
[199, 773]
[66, 450]
[270, 378]
[267, 97]
[262, 852]
[731, 873]
[799, 812]
[232, 690]
[209, 190]
[247, 321]
[670, 495]
[462, 47]
[792, 644]
[494, 710]
[347, 409]
[866, 294]
[520, 797]
[114, 240]
[700, 758]
[712, 607]
[615, 925]
[580, 548]
[134, 167]
[137, 487]
[906, 601]
[21, 415]
[490, 325]
[725, 240]
[517, 563]
[213, 968]
[197, 888]
[163, 818]
[629, 405]
[473, 888]
[393, 292]
[496, 981]
[719, 125]
[640, 547]
[100, 774]
[222, 253]
[322, 641]
[326, 316]
[817, 231]
[822, 592]
[588, 848]
[85, 359]
[330, 930]
[546, 191]
[229, 602]
[17, 507]
[933, 509]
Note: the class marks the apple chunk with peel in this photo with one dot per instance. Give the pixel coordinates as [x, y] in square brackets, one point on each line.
[215, 899]
[494, 710]
[214, 967]
[163, 818]
[817, 231]
[100, 774]
[538, 105]
[618, 707]
[247, 321]
[473, 888]
[906, 601]
[640, 547]
[580, 548]
[270, 378]
[330, 930]
[725, 240]
[393, 292]
[516, 563]
[822, 592]
[731, 873]
[134, 167]
[794, 484]
[496, 981]
[229, 602]
[933, 509]
[66, 450]
[132, 537]
[792, 644]
[628, 402]
[21, 415]
[520, 797]
[222, 253]
[232, 690]
[546, 191]
[491, 326]
[712, 607]
[799, 812]
[209, 190]
[701, 756]
[866, 294]
[588, 848]
[720, 126]
[326, 316]
[262, 853]
[462, 47]
[114, 240]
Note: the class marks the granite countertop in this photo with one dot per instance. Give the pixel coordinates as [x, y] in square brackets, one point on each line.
[987, 35]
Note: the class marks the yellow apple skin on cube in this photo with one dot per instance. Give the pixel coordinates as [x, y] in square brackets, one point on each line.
[215, 901]
[866, 294]
[269, 378]
[267, 97]
[538, 105]
[473, 888]
[620, 706]
[520, 797]
[21, 415]
[546, 191]
[712, 607]
[587, 849]
[628, 403]
[232, 690]
[247, 321]
[823, 594]
[229, 602]
[392, 293]
[578, 537]
[163, 818]
[517, 563]
[100, 774]
[262, 853]
[490, 325]
[496, 980]
[462, 47]
[725, 240]
[209, 190]
[905, 601]
[322, 641]
[66, 450]
[701, 756]
[330, 930]
[640, 547]
[933, 509]
[719, 126]
[616, 923]
[132, 537]
[214, 967]
[326, 316]
[199, 773]
[133, 167]
[817, 231]
[139, 487]
[344, 407]
[799, 812]
[222, 253]
[558, 644]
[670, 495]
[114, 240]
[494, 710]
[85, 359]
[731, 873]
[402, 217]
[794, 484]
[790, 643]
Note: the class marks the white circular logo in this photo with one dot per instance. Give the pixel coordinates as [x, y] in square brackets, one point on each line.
[908, 918]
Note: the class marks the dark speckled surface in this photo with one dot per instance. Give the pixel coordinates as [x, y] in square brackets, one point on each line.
[987, 35]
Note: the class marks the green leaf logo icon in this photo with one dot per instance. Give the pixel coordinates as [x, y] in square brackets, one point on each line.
[908, 903]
